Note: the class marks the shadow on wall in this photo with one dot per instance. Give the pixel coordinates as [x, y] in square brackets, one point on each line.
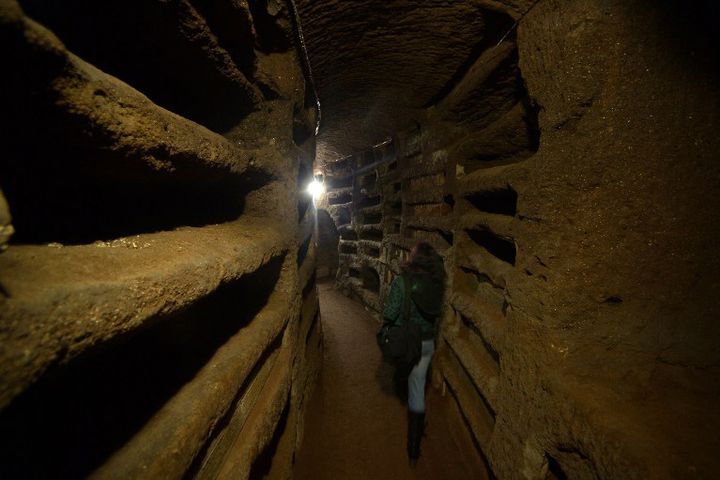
[327, 238]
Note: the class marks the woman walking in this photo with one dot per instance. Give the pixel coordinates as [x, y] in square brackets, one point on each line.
[423, 276]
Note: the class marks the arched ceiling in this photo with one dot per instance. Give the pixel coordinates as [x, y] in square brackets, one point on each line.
[378, 64]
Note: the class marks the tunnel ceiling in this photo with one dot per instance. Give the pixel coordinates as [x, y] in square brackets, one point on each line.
[378, 64]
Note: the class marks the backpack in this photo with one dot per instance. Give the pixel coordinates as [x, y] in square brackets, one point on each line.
[401, 344]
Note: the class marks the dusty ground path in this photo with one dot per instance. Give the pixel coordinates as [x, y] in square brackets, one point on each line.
[355, 427]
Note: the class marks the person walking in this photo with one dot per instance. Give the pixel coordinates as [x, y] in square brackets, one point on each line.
[423, 276]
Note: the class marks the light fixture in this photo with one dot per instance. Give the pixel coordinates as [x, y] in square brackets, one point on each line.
[316, 188]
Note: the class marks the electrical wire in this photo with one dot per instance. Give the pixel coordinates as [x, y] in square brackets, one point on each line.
[306, 61]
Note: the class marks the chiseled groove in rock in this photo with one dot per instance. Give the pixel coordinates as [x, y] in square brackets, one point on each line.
[310, 310]
[261, 421]
[39, 280]
[217, 450]
[307, 269]
[474, 407]
[151, 62]
[478, 259]
[481, 368]
[487, 319]
[167, 444]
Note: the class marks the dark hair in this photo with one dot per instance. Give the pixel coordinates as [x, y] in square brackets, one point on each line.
[425, 259]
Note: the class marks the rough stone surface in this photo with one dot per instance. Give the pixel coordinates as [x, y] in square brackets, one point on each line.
[567, 178]
[377, 65]
[156, 302]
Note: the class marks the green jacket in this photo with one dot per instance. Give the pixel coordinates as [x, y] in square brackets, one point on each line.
[424, 292]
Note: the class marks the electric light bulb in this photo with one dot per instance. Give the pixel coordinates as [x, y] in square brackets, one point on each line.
[316, 189]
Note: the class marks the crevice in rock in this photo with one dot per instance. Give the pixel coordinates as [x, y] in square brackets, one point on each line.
[340, 199]
[500, 247]
[348, 248]
[502, 201]
[69, 207]
[263, 462]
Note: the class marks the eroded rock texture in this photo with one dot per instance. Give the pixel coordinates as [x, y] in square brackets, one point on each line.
[158, 314]
[567, 176]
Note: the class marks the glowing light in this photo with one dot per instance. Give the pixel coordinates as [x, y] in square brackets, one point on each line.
[316, 188]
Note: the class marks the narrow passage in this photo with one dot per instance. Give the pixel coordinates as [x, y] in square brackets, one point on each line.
[355, 426]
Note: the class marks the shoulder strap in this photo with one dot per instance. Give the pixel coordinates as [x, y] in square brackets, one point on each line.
[406, 299]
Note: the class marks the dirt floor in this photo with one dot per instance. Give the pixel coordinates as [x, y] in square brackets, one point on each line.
[356, 426]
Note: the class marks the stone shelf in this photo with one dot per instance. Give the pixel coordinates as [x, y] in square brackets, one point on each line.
[481, 261]
[445, 223]
[469, 399]
[501, 225]
[483, 371]
[153, 451]
[487, 319]
[51, 289]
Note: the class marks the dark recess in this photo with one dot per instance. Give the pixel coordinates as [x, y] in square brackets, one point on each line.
[313, 325]
[303, 250]
[373, 234]
[341, 199]
[73, 203]
[200, 458]
[470, 433]
[263, 462]
[348, 234]
[339, 182]
[309, 286]
[302, 132]
[348, 248]
[145, 47]
[343, 216]
[555, 472]
[101, 399]
[370, 201]
[502, 201]
[372, 218]
[500, 247]
[370, 279]
[474, 329]
[372, 251]
[447, 236]
[354, 272]
[272, 36]
[368, 181]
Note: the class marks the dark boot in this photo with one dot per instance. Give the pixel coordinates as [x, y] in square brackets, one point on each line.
[416, 429]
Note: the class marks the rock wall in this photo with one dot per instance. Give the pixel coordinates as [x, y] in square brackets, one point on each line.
[158, 310]
[567, 175]
[360, 204]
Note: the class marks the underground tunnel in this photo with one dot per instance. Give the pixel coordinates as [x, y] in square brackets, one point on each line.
[174, 303]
